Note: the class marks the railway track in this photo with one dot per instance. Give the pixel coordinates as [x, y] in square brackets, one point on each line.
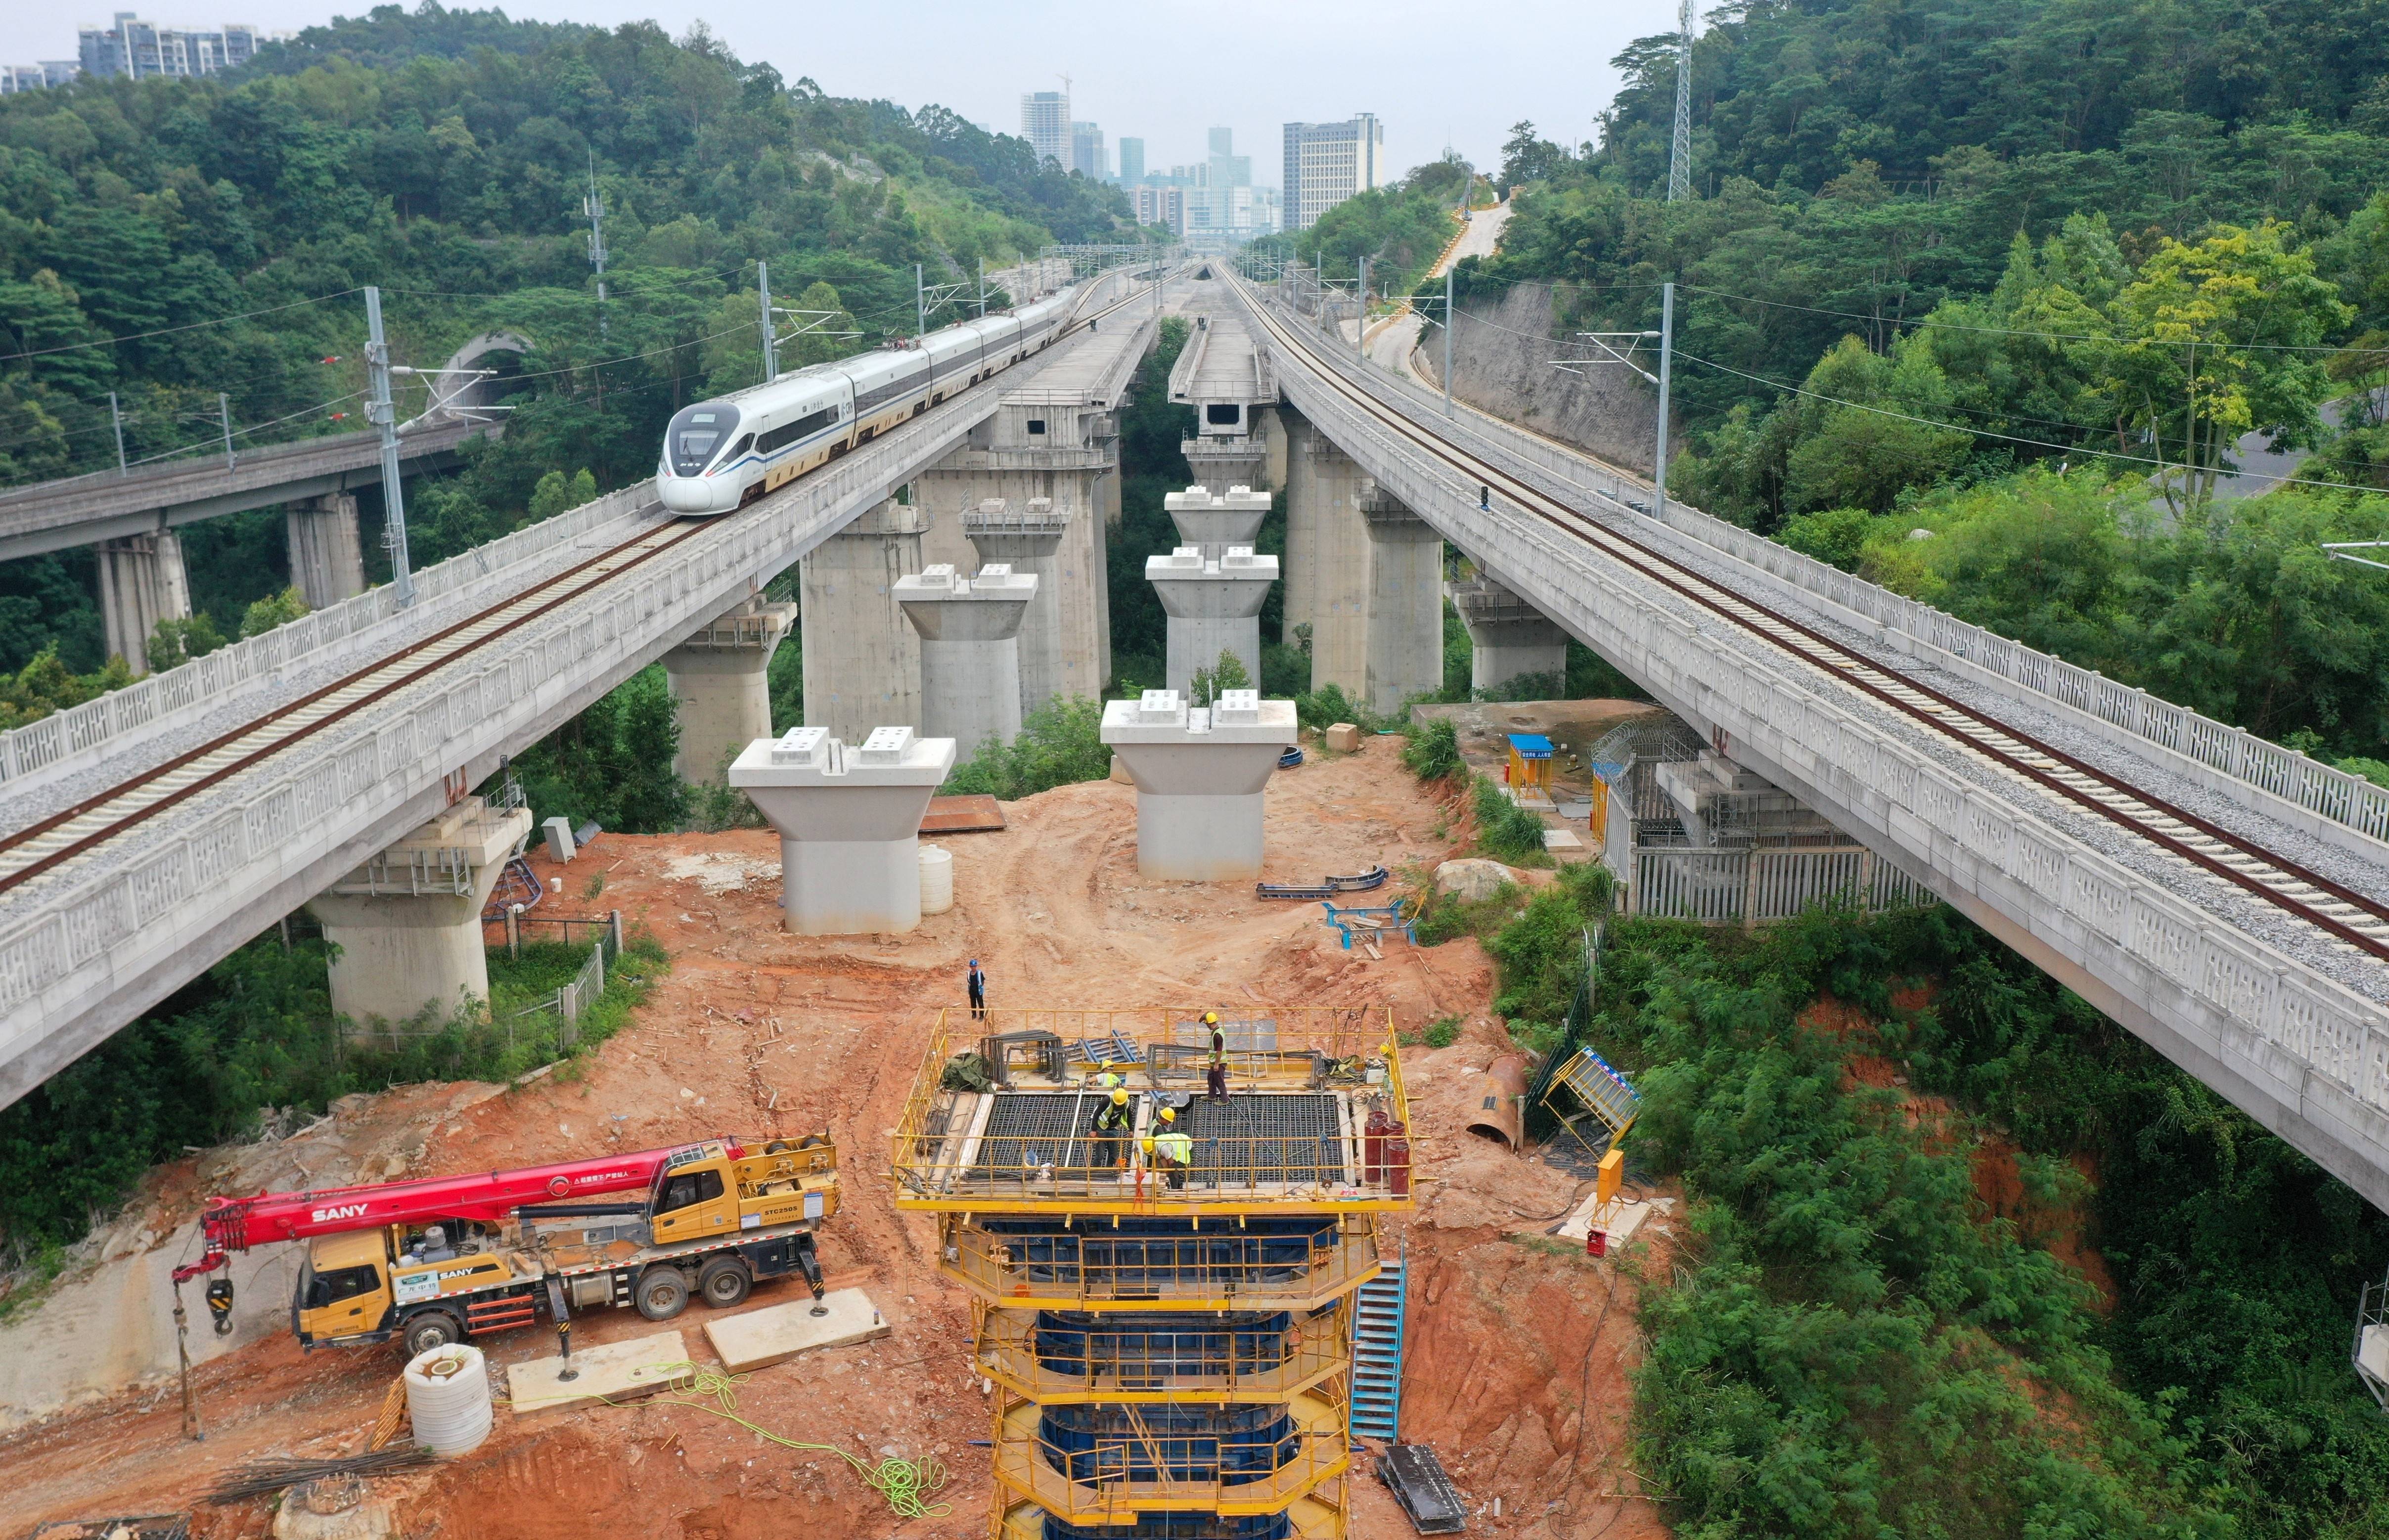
[27, 853]
[2351, 919]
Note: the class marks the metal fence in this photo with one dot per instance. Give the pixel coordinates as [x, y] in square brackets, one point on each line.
[1750, 886]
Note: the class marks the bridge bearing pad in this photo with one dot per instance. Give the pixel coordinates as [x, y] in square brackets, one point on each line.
[640, 1366]
[779, 1333]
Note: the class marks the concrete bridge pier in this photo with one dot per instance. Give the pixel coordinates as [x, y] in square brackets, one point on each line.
[849, 817]
[1221, 461]
[1213, 607]
[1508, 638]
[327, 560]
[408, 925]
[1029, 541]
[141, 582]
[721, 688]
[1327, 550]
[1216, 523]
[862, 663]
[970, 651]
[1405, 613]
[1201, 778]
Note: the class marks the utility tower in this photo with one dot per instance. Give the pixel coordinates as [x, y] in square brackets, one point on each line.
[1680, 156]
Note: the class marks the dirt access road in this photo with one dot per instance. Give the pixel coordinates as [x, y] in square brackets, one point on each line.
[1518, 1355]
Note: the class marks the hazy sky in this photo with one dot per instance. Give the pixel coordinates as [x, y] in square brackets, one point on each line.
[1161, 71]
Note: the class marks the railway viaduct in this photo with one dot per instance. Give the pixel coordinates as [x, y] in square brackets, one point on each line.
[2220, 895]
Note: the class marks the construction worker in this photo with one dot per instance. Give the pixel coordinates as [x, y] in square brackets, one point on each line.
[978, 992]
[1114, 1120]
[1173, 1150]
[1217, 1080]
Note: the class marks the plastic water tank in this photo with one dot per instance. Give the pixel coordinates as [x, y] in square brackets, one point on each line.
[937, 879]
[448, 1399]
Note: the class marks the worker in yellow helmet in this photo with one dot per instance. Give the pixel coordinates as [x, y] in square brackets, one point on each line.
[1173, 1149]
[1113, 1122]
[1218, 1077]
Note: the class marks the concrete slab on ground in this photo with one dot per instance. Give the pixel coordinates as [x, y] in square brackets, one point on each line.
[1621, 1227]
[1561, 839]
[616, 1371]
[781, 1331]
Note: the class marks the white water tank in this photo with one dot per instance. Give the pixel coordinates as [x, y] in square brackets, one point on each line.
[448, 1399]
[937, 879]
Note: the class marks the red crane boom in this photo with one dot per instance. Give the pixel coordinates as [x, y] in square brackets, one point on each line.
[236, 1224]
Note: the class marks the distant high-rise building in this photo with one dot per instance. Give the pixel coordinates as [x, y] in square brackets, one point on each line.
[37, 77]
[1163, 205]
[1045, 123]
[139, 50]
[1326, 163]
[1087, 157]
[1131, 158]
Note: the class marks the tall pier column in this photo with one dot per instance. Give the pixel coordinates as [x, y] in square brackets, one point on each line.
[141, 582]
[721, 693]
[1029, 541]
[406, 927]
[1405, 613]
[970, 651]
[1508, 637]
[327, 560]
[1213, 607]
[862, 662]
[1327, 545]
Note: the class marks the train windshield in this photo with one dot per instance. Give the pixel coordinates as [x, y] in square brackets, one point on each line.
[695, 433]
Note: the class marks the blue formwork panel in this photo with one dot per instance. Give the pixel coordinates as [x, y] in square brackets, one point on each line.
[1230, 1444]
[1132, 1348]
[1178, 1526]
[1155, 1254]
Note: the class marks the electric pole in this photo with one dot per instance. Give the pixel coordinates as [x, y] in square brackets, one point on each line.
[1666, 346]
[920, 304]
[764, 295]
[116, 419]
[224, 411]
[1680, 156]
[595, 206]
[1360, 317]
[383, 414]
[1446, 341]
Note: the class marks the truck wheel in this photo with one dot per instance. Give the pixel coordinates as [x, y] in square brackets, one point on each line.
[724, 1282]
[431, 1329]
[663, 1293]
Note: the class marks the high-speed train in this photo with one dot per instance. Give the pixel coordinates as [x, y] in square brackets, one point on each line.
[721, 454]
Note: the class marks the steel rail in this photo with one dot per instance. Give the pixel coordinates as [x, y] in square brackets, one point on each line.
[101, 817]
[2231, 856]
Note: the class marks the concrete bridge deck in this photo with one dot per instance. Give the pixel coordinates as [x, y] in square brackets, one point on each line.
[83, 510]
[2278, 1013]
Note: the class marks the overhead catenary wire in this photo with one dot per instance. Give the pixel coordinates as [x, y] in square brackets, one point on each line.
[1926, 323]
[1986, 433]
[166, 331]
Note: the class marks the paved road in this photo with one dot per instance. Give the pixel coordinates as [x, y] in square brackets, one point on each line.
[1391, 342]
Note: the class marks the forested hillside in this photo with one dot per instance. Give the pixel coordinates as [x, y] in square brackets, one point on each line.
[1985, 300]
[444, 156]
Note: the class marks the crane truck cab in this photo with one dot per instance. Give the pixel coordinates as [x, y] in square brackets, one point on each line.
[717, 1217]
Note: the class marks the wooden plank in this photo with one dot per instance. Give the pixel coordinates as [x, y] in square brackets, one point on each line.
[962, 815]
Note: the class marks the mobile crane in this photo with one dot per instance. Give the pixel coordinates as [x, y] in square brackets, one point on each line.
[434, 1261]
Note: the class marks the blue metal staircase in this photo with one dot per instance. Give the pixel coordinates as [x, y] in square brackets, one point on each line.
[1377, 1350]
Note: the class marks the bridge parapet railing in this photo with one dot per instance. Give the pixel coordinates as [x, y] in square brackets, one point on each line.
[2330, 793]
[153, 700]
[2299, 1048]
[228, 847]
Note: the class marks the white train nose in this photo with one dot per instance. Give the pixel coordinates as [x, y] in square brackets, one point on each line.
[687, 494]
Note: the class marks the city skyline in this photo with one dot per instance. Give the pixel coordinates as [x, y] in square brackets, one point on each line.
[1321, 66]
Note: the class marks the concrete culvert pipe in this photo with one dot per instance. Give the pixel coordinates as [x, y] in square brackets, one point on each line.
[1497, 1102]
[937, 879]
[448, 1399]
